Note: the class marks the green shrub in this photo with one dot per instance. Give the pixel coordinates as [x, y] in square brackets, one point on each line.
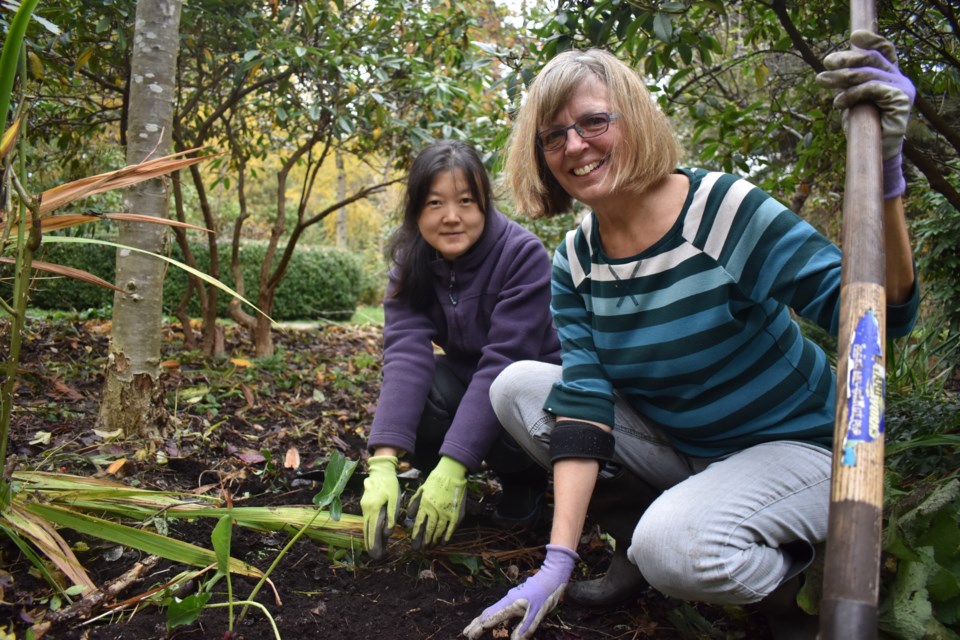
[938, 255]
[51, 292]
[319, 283]
[373, 277]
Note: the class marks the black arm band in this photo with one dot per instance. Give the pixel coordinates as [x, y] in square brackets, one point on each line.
[575, 439]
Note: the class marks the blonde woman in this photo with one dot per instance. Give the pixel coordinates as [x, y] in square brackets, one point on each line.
[683, 371]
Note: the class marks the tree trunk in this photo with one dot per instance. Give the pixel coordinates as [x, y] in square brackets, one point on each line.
[133, 399]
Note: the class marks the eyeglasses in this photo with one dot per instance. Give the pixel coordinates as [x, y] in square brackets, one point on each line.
[589, 126]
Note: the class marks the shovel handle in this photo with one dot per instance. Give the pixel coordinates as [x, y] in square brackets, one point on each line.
[852, 566]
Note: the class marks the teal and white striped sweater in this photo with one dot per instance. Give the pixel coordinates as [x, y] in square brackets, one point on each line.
[695, 332]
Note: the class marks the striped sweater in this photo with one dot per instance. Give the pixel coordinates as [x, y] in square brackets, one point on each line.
[695, 332]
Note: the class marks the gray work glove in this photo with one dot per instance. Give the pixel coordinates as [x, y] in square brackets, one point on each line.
[869, 73]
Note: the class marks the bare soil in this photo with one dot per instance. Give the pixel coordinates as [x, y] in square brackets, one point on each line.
[235, 422]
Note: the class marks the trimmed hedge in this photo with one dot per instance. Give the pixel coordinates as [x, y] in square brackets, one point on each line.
[320, 282]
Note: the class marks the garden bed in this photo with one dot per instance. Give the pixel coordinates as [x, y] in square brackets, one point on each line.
[256, 432]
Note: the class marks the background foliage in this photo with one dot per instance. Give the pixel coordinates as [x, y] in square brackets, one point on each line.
[324, 282]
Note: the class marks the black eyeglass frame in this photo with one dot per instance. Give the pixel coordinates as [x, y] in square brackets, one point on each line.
[576, 126]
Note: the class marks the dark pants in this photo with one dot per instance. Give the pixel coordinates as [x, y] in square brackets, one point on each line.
[506, 458]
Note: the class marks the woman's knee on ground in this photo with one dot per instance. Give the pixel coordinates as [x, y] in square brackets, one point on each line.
[682, 558]
[665, 549]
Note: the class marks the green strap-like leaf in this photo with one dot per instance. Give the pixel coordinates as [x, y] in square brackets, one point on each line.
[145, 541]
[11, 55]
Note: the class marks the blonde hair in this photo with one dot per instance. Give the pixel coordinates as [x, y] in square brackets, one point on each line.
[646, 150]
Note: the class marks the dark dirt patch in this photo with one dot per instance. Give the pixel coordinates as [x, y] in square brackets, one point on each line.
[235, 421]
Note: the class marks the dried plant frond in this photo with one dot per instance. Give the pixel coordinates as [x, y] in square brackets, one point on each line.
[69, 272]
[44, 536]
[64, 194]
[64, 221]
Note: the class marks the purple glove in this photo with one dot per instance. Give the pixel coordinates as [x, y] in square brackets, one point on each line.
[869, 73]
[533, 599]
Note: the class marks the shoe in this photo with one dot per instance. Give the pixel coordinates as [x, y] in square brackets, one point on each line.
[787, 621]
[523, 497]
[617, 503]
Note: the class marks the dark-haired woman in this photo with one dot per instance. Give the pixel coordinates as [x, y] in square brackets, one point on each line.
[476, 284]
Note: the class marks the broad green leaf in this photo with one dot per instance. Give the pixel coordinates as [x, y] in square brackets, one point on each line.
[472, 563]
[940, 440]
[335, 477]
[221, 538]
[185, 611]
[663, 27]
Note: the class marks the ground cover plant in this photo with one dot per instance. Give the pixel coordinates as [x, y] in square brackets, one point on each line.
[260, 433]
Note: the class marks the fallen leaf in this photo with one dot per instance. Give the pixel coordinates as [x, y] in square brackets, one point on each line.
[241, 362]
[116, 467]
[248, 395]
[170, 364]
[63, 389]
[41, 437]
[251, 457]
[292, 460]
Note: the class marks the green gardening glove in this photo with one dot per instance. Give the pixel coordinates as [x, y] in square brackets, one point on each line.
[380, 503]
[438, 505]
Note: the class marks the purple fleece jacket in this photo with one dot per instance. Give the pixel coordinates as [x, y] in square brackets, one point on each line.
[491, 308]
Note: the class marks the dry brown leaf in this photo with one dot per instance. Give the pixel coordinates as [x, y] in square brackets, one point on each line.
[66, 220]
[59, 196]
[63, 389]
[116, 467]
[170, 364]
[248, 395]
[69, 272]
[141, 217]
[292, 459]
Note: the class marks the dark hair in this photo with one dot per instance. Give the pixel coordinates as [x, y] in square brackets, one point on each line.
[407, 249]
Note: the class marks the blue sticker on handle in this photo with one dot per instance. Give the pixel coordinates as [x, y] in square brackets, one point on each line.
[866, 385]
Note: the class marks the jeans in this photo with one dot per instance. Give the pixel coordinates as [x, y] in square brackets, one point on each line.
[725, 530]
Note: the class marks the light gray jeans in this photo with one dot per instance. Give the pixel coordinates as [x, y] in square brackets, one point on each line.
[725, 530]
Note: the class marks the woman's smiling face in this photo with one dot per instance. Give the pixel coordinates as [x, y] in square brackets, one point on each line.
[451, 221]
[582, 167]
